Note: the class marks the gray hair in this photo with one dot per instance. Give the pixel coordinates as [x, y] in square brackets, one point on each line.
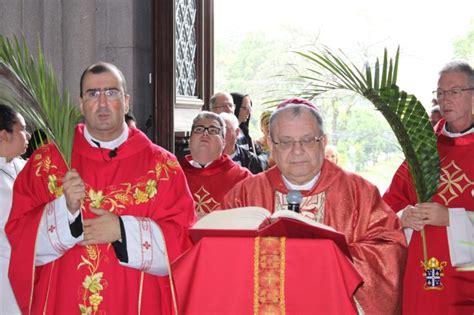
[211, 116]
[230, 118]
[296, 110]
[212, 100]
[459, 66]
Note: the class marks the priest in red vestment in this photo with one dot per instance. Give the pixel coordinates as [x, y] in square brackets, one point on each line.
[98, 238]
[436, 286]
[210, 173]
[331, 196]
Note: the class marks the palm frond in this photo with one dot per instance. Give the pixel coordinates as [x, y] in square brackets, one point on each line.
[404, 113]
[31, 88]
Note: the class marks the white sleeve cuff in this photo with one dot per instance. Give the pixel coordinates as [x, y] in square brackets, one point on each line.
[460, 233]
[54, 235]
[408, 231]
[145, 245]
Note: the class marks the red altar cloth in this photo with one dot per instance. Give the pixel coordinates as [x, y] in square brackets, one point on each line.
[217, 276]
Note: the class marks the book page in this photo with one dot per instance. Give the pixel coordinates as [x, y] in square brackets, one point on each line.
[297, 216]
[246, 218]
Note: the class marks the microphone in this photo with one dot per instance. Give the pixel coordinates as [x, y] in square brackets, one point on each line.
[294, 199]
[113, 153]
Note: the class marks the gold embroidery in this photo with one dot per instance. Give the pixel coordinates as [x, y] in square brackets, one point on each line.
[94, 283]
[453, 182]
[140, 196]
[53, 186]
[150, 188]
[163, 170]
[204, 201]
[42, 165]
[116, 200]
[269, 275]
[96, 198]
[311, 207]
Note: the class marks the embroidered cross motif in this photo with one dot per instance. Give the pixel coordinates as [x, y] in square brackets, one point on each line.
[453, 182]
[204, 201]
[146, 245]
[51, 229]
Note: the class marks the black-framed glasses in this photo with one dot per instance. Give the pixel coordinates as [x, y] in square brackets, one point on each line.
[94, 94]
[309, 143]
[211, 130]
[454, 93]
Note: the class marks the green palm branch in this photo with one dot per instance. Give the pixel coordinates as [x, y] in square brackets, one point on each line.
[31, 88]
[404, 113]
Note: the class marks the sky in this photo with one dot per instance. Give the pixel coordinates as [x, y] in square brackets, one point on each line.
[424, 30]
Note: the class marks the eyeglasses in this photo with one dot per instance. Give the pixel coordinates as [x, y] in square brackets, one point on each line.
[226, 105]
[454, 93]
[94, 94]
[309, 143]
[211, 130]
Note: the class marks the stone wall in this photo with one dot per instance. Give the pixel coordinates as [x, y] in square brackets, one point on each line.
[77, 33]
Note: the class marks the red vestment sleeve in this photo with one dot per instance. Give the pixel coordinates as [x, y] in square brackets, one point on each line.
[401, 192]
[27, 210]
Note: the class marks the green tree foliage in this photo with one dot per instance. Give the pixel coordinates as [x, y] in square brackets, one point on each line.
[361, 134]
[464, 46]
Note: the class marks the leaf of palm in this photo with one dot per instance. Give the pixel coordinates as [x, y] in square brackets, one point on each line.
[31, 88]
[404, 113]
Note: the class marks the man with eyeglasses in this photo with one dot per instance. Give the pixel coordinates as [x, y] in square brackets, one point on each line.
[331, 196]
[98, 238]
[210, 173]
[221, 102]
[447, 221]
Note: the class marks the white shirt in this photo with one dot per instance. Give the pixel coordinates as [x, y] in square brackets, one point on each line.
[8, 173]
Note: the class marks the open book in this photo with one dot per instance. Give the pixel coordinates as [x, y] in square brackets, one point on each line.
[257, 221]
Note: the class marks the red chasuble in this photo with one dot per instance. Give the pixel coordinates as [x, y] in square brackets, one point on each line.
[209, 185]
[354, 207]
[454, 191]
[144, 181]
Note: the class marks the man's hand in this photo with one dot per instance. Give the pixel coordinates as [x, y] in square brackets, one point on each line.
[427, 213]
[413, 218]
[74, 190]
[103, 229]
[435, 214]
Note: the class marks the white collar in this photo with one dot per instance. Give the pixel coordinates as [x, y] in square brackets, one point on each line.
[12, 168]
[3, 160]
[198, 165]
[308, 186]
[456, 134]
[107, 144]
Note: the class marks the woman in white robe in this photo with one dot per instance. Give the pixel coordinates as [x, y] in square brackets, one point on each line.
[13, 142]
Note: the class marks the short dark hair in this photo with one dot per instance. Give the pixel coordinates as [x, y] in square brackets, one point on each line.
[211, 116]
[101, 67]
[8, 118]
[129, 116]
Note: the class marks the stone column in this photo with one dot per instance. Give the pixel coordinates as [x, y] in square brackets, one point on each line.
[78, 44]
